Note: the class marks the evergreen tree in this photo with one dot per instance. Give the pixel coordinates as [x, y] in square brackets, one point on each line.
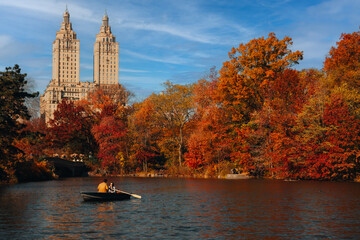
[12, 113]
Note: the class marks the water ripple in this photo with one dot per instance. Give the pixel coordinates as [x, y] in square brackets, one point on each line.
[182, 209]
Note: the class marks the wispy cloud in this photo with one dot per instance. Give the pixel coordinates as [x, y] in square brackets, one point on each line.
[11, 49]
[198, 31]
[86, 66]
[320, 28]
[347, 9]
[132, 70]
[187, 77]
[51, 7]
[4, 41]
[172, 60]
[178, 31]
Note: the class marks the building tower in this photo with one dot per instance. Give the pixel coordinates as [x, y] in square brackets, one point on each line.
[65, 83]
[106, 56]
[66, 54]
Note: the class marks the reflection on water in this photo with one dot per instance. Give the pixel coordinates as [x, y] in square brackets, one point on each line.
[182, 209]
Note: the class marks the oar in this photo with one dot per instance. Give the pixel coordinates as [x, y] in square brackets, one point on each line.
[131, 194]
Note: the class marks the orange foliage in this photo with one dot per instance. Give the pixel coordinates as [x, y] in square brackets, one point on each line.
[105, 101]
[144, 134]
[343, 60]
[259, 116]
[208, 143]
[245, 78]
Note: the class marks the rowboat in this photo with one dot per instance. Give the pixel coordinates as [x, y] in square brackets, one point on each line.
[99, 196]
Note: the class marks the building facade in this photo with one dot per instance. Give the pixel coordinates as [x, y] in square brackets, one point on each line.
[106, 56]
[65, 82]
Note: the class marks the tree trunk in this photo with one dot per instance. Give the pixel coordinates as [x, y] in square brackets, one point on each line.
[180, 147]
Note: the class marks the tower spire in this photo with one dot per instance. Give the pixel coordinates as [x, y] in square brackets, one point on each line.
[105, 19]
[66, 16]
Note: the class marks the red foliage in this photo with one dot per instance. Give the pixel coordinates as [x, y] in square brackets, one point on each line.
[346, 54]
[286, 92]
[109, 134]
[332, 155]
[67, 120]
[341, 141]
[70, 128]
[264, 145]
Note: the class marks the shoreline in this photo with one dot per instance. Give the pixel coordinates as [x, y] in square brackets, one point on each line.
[194, 176]
[157, 175]
[237, 177]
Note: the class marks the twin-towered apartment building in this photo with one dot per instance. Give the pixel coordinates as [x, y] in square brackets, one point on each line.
[65, 82]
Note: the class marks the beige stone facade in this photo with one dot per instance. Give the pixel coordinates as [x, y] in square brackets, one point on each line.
[66, 54]
[106, 56]
[65, 83]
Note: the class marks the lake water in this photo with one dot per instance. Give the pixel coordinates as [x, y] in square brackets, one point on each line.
[182, 209]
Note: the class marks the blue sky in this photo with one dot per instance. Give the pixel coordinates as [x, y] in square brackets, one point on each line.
[164, 40]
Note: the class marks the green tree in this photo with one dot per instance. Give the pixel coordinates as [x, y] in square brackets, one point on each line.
[12, 114]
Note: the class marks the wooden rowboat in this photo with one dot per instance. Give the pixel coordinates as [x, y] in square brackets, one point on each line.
[99, 196]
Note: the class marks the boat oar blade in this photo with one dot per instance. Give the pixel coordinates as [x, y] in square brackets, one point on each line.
[135, 195]
[131, 194]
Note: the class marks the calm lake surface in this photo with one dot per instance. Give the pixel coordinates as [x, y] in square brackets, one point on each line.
[182, 209]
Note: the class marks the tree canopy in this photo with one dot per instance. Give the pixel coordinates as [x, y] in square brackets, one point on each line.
[13, 112]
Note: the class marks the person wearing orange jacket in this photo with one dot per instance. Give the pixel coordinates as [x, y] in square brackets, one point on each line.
[103, 187]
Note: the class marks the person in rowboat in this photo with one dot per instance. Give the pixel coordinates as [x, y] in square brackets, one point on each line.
[112, 188]
[103, 187]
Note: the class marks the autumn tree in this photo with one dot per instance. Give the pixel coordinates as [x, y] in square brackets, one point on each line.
[343, 62]
[107, 106]
[328, 125]
[12, 113]
[173, 109]
[244, 90]
[329, 140]
[144, 135]
[70, 129]
[245, 78]
[342, 140]
[277, 122]
[208, 146]
[32, 141]
[110, 135]
[104, 101]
